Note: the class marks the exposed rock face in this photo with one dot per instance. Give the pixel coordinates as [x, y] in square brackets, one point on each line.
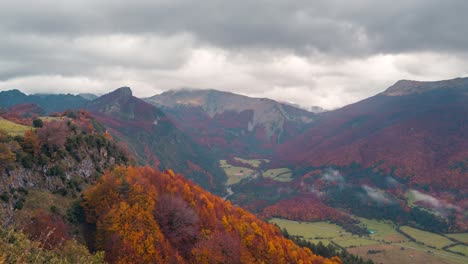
[224, 118]
[66, 172]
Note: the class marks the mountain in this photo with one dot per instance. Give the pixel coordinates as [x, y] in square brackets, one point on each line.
[154, 139]
[68, 188]
[49, 102]
[418, 128]
[232, 123]
[409, 143]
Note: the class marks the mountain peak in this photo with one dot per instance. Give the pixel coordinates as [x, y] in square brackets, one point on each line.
[14, 92]
[405, 87]
[123, 91]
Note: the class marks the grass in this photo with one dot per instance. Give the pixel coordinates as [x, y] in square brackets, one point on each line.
[395, 254]
[426, 238]
[384, 230]
[391, 246]
[354, 241]
[52, 118]
[447, 256]
[462, 237]
[460, 248]
[310, 230]
[280, 174]
[13, 129]
[252, 162]
[42, 200]
[235, 174]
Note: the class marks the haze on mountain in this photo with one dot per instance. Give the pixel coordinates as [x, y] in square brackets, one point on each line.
[310, 53]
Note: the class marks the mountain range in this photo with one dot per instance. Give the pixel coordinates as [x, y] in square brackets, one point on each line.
[401, 155]
[414, 133]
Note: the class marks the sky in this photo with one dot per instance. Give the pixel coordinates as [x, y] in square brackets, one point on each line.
[312, 53]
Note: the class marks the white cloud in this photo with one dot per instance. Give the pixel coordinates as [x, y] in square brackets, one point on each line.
[376, 194]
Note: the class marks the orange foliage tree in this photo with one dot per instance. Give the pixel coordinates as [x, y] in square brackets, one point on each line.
[142, 215]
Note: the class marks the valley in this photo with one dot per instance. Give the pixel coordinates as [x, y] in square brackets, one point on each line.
[237, 173]
[234, 132]
[352, 178]
[387, 243]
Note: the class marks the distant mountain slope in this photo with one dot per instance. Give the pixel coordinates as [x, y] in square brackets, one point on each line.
[48, 102]
[230, 121]
[155, 139]
[88, 96]
[417, 129]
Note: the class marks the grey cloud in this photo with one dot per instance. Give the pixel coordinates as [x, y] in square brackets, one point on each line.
[326, 52]
[341, 27]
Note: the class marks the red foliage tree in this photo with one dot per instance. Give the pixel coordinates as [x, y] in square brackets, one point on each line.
[53, 134]
[49, 230]
[179, 222]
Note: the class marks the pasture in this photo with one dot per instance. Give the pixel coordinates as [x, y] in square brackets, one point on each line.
[462, 237]
[252, 162]
[235, 174]
[310, 230]
[384, 230]
[280, 174]
[386, 245]
[460, 249]
[13, 129]
[426, 238]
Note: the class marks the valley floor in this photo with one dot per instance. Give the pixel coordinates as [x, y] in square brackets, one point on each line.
[387, 244]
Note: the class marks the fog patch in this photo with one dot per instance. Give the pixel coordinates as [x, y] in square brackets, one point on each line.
[376, 195]
[432, 201]
[332, 175]
[392, 182]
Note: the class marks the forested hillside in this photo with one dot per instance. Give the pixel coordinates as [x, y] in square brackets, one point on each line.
[145, 216]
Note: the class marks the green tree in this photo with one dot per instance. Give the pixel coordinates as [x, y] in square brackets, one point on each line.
[38, 123]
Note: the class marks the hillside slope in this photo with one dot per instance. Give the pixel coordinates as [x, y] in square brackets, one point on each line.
[155, 139]
[418, 129]
[62, 157]
[145, 216]
[232, 123]
[49, 102]
[397, 155]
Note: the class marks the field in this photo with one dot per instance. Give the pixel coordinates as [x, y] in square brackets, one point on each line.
[383, 230]
[392, 254]
[385, 245]
[280, 174]
[235, 174]
[13, 129]
[426, 238]
[459, 237]
[52, 118]
[309, 230]
[460, 248]
[252, 162]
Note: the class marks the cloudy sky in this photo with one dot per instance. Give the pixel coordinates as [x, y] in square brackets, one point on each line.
[327, 53]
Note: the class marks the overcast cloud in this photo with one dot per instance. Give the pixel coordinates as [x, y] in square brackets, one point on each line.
[327, 53]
